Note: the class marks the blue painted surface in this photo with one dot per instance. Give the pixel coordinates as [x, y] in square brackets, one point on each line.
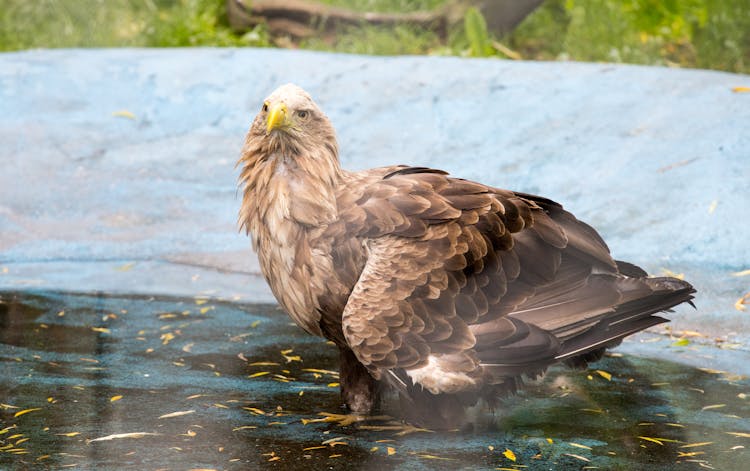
[641, 153]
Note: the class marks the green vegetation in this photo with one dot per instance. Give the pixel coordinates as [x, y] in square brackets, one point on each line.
[690, 33]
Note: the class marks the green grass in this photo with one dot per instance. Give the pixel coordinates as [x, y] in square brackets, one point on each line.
[691, 33]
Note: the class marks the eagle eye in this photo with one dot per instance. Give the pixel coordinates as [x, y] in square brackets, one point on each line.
[302, 114]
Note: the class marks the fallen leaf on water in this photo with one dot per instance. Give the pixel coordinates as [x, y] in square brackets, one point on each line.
[200, 301]
[740, 304]
[578, 445]
[118, 436]
[578, 457]
[434, 457]
[508, 453]
[680, 343]
[102, 330]
[123, 114]
[654, 440]
[69, 434]
[742, 273]
[125, 267]
[668, 272]
[333, 385]
[605, 375]
[244, 427]
[315, 448]
[712, 206]
[693, 445]
[255, 410]
[260, 373]
[391, 451]
[713, 406]
[739, 434]
[741, 89]
[176, 414]
[688, 454]
[115, 398]
[26, 411]
[166, 338]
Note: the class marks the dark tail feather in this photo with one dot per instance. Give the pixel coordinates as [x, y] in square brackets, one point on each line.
[627, 318]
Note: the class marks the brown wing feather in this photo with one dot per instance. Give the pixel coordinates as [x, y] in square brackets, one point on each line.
[497, 282]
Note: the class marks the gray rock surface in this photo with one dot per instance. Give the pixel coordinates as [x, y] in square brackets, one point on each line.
[118, 165]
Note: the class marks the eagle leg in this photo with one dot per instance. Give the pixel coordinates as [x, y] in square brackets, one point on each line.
[359, 389]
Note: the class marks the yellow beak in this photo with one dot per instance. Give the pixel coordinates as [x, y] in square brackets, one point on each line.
[277, 117]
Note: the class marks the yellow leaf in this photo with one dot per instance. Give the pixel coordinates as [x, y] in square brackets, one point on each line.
[693, 445]
[605, 375]
[123, 114]
[200, 301]
[741, 273]
[550, 441]
[69, 434]
[713, 406]
[103, 330]
[115, 398]
[260, 373]
[391, 451]
[333, 385]
[125, 267]
[221, 406]
[713, 206]
[255, 410]
[204, 310]
[739, 434]
[508, 453]
[668, 272]
[578, 457]
[315, 448]
[654, 440]
[166, 338]
[25, 411]
[740, 304]
[264, 363]
[578, 445]
[741, 89]
[244, 427]
[176, 414]
[117, 436]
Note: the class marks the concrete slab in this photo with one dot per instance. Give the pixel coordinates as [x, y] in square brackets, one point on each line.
[118, 164]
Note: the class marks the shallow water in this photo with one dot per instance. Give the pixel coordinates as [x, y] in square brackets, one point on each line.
[201, 383]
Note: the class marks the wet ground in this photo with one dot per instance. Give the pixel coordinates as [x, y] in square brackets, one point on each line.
[104, 382]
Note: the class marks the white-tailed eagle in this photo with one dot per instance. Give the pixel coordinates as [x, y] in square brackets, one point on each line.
[444, 289]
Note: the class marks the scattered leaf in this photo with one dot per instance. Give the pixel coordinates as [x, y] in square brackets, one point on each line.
[69, 434]
[578, 445]
[115, 398]
[741, 89]
[102, 330]
[125, 267]
[605, 375]
[244, 427]
[118, 436]
[176, 414]
[26, 411]
[578, 457]
[740, 304]
[391, 451]
[508, 453]
[260, 373]
[694, 445]
[680, 343]
[712, 206]
[668, 272]
[742, 273]
[713, 406]
[123, 114]
[739, 434]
